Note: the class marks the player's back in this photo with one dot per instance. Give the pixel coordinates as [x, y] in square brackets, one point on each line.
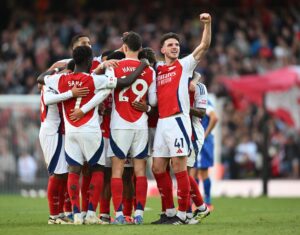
[124, 116]
[89, 123]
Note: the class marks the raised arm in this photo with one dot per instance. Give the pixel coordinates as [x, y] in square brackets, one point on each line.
[200, 51]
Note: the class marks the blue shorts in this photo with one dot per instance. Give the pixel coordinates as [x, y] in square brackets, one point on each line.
[205, 158]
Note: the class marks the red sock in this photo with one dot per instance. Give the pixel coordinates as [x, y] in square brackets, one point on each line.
[117, 192]
[104, 205]
[195, 192]
[73, 189]
[53, 195]
[127, 206]
[95, 189]
[85, 183]
[61, 195]
[141, 192]
[67, 201]
[183, 190]
[165, 187]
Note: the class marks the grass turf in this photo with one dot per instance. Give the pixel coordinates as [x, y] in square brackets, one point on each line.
[22, 216]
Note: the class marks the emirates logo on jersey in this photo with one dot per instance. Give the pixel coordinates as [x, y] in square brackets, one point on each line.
[165, 78]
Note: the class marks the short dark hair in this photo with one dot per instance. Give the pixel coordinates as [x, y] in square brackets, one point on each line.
[106, 53]
[116, 55]
[168, 36]
[133, 40]
[76, 38]
[71, 65]
[82, 55]
[149, 54]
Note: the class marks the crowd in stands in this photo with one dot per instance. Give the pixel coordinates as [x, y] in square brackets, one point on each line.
[246, 39]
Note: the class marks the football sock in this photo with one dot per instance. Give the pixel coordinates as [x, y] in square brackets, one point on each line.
[73, 189]
[195, 193]
[183, 190]
[104, 206]
[86, 179]
[207, 187]
[117, 192]
[127, 206]
[95, 189]
[141, 192]
[53, 195]
[165, 187]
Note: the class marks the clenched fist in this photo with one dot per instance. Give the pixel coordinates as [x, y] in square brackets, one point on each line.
[205, 18]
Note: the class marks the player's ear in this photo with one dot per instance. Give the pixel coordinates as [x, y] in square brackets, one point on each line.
[162, 50]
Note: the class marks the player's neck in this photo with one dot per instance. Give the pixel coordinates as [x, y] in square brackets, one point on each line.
[169, 61]
[132, 55]
[81, 69]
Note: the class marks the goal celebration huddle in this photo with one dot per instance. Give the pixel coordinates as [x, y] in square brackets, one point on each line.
[103, 117]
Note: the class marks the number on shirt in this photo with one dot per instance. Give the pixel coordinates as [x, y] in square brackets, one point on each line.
[139, 93]
[178, 142]
[77, 104]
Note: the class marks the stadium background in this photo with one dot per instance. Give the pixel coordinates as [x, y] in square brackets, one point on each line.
[248, 37]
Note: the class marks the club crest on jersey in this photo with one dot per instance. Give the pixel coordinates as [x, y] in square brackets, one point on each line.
[74, 83]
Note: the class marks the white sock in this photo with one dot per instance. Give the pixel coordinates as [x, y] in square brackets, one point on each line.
[181, 215]
[90, 213]
[189, 215]
[171, 212]
[139, 212]
[202, 207]
[119, 213]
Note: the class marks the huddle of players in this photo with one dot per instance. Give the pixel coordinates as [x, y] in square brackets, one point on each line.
[132, 83]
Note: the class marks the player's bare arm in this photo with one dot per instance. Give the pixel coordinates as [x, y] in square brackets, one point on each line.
[200, 51]
[212, 122]
[108, 63]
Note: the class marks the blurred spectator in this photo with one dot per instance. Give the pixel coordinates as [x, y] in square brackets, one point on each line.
[7, 163]
[27, 168]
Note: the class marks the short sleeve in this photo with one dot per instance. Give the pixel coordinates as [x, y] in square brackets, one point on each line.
[152, 91]
[189, 63]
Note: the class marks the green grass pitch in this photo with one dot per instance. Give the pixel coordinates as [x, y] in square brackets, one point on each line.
[22, 216]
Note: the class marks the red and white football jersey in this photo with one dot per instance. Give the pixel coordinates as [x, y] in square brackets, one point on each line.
[172, 83]
[65, 82]
[124, 116]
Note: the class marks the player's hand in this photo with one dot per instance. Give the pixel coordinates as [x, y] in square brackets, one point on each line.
[145, 61]
[205, 18]
[76, 115]
[140, 106]
[80, 92]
